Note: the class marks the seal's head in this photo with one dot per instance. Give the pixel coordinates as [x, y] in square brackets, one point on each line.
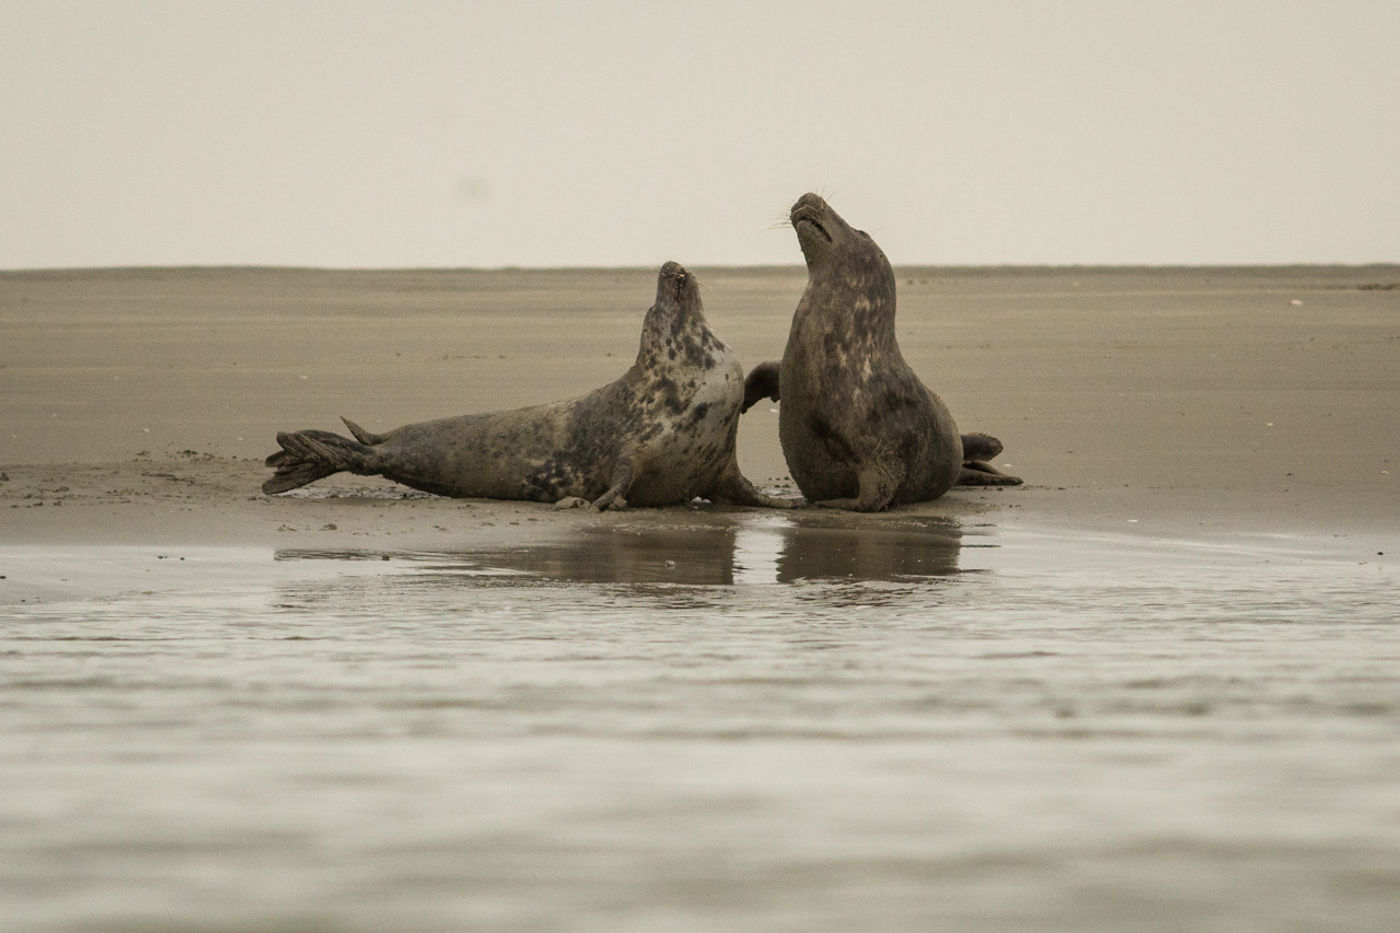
[850, 284]
[677, 292]
[676, 322]
[825, 237]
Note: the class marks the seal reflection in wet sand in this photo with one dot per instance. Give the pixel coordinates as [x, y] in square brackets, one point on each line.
[662, 434]
[859, 429]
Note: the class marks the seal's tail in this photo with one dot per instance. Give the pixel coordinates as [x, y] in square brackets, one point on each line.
[307, 456]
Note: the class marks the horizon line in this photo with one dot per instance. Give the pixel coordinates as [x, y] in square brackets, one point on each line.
[1000, 266]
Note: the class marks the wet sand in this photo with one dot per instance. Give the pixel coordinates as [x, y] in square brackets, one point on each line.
[137, 404]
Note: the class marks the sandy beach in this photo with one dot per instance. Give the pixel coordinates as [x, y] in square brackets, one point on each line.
[138, 403]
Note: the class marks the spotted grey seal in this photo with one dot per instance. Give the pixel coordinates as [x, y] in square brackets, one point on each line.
[662, 434]
[858, 429]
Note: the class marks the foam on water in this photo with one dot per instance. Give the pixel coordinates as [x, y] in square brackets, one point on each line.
[742, 721]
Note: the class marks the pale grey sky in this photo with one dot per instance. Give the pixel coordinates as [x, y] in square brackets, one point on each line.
[626, 133]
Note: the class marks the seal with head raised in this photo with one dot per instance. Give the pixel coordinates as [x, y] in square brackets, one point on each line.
[661, 434]
[859, 430]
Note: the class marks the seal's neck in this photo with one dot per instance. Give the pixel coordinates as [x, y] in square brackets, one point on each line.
[853, 299]
[674, 338]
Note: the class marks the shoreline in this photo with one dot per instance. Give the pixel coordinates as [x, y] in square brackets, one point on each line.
[203, 500]
[199, 525]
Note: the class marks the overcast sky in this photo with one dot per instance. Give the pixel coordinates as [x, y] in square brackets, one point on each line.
[351, 134]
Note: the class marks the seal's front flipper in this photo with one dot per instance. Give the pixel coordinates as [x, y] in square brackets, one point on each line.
[980, 473]
[761, 382]
[876, 490]
[570, 502]
[621, 482]
[307, 456]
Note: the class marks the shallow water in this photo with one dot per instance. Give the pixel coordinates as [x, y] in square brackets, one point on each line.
[740, 721]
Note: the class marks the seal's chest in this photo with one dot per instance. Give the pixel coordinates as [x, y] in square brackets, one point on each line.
[707, 405]
[692, 442]
[722, 384]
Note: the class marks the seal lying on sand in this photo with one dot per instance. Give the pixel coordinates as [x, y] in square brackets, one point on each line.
[859, 430]
[662, 434]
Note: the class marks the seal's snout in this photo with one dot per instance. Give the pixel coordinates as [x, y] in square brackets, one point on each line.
[810, 216]
[675, 286]
[675, 279]
[813, 224]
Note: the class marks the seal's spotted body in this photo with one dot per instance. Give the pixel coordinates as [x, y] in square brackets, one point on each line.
[662, 434]
[859, 429]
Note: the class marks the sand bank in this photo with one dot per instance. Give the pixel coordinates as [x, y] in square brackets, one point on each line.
[136, 404]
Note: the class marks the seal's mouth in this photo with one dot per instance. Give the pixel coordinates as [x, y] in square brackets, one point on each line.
[814, 224]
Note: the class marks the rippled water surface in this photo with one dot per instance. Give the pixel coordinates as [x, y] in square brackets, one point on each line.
[744, 722]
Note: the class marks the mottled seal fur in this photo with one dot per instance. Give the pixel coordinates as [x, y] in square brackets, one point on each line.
[662, 434]
[858, 428]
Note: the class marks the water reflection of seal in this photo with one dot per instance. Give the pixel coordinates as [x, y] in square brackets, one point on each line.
[699, 548]
[662, 434]
[859, 430]
[879, 551]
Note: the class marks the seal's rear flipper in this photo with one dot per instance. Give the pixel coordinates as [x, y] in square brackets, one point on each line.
[307, 456]
[980, 447]
[976, 471]
[980, 473]
[291, 475]
[761, 382]
[361, 435]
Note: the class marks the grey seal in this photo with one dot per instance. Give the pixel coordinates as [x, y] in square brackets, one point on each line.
[859, 430]
[661, 434]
